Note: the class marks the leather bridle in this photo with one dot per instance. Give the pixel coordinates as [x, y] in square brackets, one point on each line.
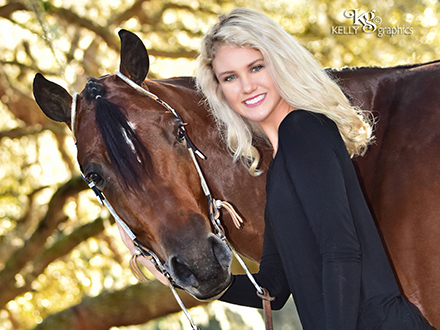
[214, 215]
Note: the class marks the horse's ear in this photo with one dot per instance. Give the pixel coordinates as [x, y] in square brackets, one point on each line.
[53, 99]
[134, 57]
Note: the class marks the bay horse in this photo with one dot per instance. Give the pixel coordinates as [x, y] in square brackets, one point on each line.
[133, 150]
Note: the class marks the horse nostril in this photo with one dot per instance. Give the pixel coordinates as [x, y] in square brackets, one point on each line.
[180, 271]
[221, 251]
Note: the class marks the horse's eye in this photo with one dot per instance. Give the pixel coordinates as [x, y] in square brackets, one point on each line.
[94, 177]
[181, 132]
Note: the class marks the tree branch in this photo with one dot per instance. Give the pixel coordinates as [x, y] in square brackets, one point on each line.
[21, 105]
[57, 128]
[55, 215]
[142, 302]
[7, 10]
[71, 18]
[64, 245]
[60, 248]
[134, 10]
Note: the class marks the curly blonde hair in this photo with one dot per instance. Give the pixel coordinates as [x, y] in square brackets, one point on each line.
[298, 77]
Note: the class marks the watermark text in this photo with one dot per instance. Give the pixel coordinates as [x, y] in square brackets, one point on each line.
[368, 22]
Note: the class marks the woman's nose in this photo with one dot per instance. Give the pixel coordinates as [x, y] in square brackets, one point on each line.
[248, 85]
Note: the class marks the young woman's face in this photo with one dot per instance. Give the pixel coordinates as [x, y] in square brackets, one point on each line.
[248, 86]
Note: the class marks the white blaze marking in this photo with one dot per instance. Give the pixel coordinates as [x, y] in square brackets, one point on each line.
[128, 140]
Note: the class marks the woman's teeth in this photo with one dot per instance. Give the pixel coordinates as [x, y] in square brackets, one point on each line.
[255, 99]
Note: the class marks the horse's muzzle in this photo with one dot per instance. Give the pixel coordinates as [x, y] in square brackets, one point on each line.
[204, 270]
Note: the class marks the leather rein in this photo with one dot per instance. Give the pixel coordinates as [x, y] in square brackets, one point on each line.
[142, 250]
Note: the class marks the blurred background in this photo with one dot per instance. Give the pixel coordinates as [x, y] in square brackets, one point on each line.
[62, 264]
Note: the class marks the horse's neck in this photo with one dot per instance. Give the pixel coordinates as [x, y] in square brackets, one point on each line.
[183, 82]
[363, 86]
[381, 91]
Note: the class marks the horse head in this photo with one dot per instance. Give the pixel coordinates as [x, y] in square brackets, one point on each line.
[133, 149]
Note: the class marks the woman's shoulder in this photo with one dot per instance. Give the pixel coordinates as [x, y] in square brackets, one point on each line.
[306, 135]
[306, 122]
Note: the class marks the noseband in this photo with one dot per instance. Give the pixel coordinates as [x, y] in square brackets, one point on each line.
[214, 214]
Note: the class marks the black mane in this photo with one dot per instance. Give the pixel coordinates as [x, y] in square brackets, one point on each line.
[127, 153]
[403, 66]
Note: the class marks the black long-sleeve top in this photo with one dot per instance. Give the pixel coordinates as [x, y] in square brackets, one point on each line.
[320, 242]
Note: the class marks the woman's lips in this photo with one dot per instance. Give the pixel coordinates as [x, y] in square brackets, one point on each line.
[254, 101]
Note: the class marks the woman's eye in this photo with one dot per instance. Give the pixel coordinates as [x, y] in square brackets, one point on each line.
[257, 68]
[229, 78]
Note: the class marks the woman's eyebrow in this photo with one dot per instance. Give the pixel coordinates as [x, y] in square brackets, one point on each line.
[249, 66]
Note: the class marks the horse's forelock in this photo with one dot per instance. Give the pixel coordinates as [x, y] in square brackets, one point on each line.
[127, 153]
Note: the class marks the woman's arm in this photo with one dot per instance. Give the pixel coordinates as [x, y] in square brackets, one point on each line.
[314, 152]
[271, 276]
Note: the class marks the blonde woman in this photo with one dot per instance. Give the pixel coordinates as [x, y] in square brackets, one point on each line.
[320, 243]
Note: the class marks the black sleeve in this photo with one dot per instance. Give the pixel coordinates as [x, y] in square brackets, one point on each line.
[313, 151]
[271, 276]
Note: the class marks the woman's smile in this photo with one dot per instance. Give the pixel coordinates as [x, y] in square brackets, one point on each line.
[255, 101]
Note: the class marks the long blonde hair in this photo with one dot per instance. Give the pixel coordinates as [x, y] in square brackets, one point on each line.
[298, 77]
